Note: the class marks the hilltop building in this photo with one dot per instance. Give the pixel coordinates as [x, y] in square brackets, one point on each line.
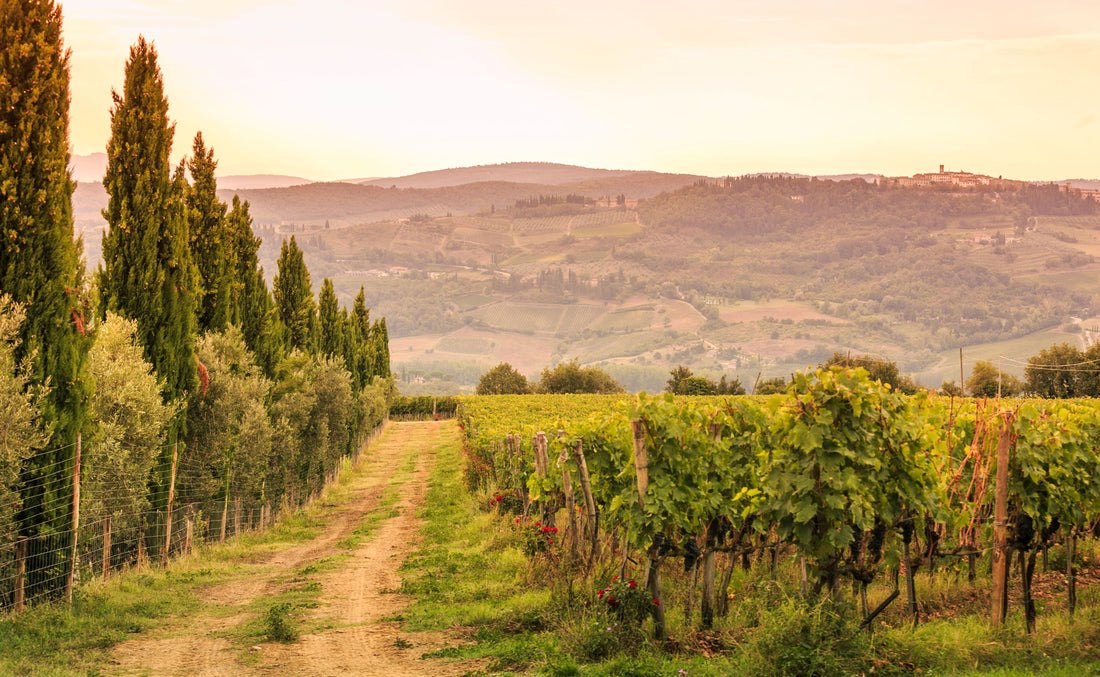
[953, 180]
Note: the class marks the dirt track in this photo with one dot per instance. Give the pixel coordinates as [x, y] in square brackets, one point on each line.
[355, 595]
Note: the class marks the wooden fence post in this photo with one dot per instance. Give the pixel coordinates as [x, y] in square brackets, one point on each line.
[237, 516]
[189, 535]
[76, 523]
[106, 547]
[171, 497]
[1000, 519]
[141, 555]
[20, 573]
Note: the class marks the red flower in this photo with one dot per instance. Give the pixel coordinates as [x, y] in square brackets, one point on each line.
[632, 585]
[657, 601]
[600, 594]
[551, 540]
[614, 578]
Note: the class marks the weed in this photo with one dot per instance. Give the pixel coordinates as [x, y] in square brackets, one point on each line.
[277, 624]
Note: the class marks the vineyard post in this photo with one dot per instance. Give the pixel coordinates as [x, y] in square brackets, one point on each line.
[76, 523]
[706, 610]
[641, 469]
[589, 501]
[20, 572]
[542, 470]
[570, 500]
[171, 497]
[106, 547]
[962, 374]
[910, 572]
[1000, 519]
[1071, 571]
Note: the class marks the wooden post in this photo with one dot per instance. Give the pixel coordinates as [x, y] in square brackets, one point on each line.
[592, 517]
[570, 499]
[189, 534]
[76, 523]
[709, 572]
[962, 374]
[1071, 571]
[641, 469]
[141, 556]
[20, 573]
[1000, 524]
[910, 582]
[225, 515]
[706, 610]
[543, 456]
[641, 461]
[171, 497]
[106, 547]
[236, 516]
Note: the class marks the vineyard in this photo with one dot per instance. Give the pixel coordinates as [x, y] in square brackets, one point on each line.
[838, 490]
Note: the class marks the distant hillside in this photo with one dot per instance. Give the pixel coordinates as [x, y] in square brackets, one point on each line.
[513, 172]
[293, 199]
[347, 203]
[88, 168]
[257, 181]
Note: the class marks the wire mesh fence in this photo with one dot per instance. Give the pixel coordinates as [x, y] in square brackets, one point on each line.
[117, 528]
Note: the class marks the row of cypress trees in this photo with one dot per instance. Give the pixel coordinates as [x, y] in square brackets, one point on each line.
[177, 261]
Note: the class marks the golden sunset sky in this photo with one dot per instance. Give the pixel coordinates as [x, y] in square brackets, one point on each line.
[331, 89]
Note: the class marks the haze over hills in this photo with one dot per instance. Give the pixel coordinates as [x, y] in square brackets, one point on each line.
[642, 271]
[512, 172]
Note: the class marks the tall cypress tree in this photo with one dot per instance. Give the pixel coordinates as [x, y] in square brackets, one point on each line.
[294, 297]
[359, 355]
[40, 263]
[332, 326]
[381, 341]
[251, 304]
[211, 243]
[148, 274]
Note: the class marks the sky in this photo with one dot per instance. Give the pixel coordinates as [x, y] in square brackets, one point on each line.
[338, 89]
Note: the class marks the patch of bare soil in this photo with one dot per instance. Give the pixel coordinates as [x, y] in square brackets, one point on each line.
[355, 596]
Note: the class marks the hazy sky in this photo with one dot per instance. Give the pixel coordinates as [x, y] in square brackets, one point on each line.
[330, 89]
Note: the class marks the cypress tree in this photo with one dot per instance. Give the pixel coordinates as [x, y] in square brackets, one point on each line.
[294, 297]
[381, 349]
[40, 265]
[250, 302]
[359, 355]
[211, 243]
[148, 274]
[332, 327]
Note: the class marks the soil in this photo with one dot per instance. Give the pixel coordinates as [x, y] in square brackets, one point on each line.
[355, 596]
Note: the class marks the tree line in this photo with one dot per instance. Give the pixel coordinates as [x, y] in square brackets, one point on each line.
[175, 343]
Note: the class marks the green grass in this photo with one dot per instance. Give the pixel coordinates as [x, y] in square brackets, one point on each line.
[625, 320]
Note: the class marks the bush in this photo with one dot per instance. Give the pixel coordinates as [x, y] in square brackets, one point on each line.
[277, 624]
[803, 639]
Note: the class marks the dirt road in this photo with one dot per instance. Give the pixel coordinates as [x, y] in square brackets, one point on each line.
[356, 592]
